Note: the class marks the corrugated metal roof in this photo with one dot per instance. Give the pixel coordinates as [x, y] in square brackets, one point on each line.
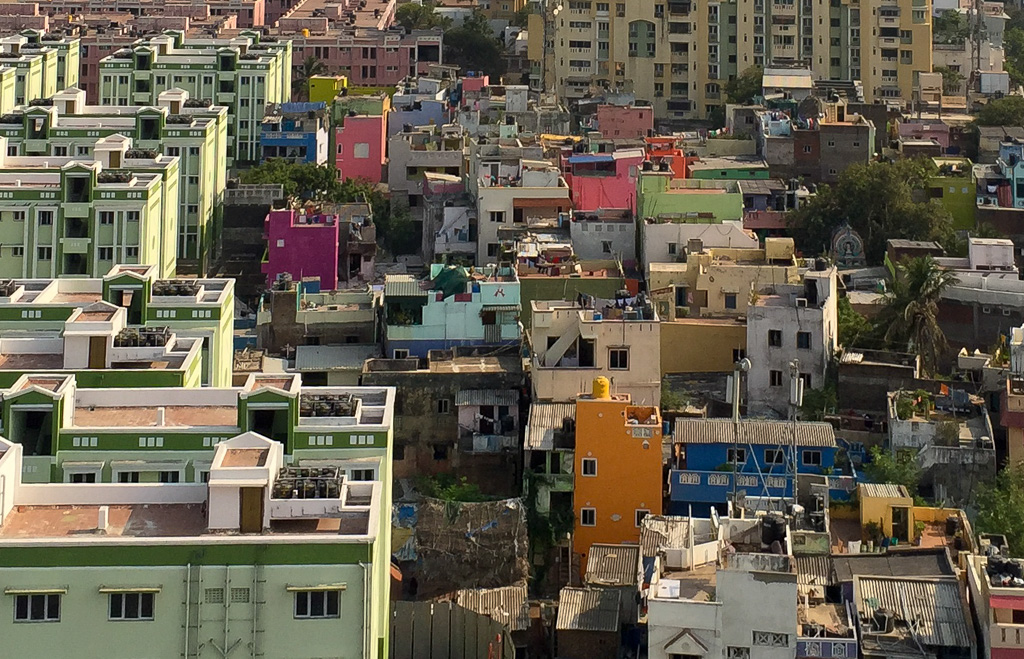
[931, 606]
[402, 286]
[545, 419]
[814, 571]
[326, 358]
[588, 609]
[613, 565]
[659, 532]
[505, 605]
[759, 431]
[487, 397]
[933, 562]
[884, 491]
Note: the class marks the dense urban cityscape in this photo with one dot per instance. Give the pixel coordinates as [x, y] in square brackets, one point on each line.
[512, 329]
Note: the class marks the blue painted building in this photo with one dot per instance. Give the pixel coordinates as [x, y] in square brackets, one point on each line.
[296, 132]
[762, 461]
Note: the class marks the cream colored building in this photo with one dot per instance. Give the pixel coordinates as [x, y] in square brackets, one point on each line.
[574, 345]
[721, 281]
[678, 54]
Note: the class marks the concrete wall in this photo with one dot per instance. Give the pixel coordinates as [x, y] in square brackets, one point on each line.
[695, 346]
[589, 240]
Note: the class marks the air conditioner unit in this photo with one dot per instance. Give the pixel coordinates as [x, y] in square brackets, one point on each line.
[801, 302]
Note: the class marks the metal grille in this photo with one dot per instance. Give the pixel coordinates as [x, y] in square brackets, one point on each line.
[214, 595]
[239, 595]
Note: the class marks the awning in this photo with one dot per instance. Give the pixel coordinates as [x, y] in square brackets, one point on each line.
[36, 591]
[320, 588]
[1007, 602]
[487, 397]
[501, 307]
[540, 202]
[130, 589]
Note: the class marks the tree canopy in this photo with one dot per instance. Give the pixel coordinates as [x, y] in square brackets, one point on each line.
[999, 505]
[877, 200]
[310, 67]
[415, 16]
[1006, 111]
[910, 313]
[950, 27]
[899, 469]
[744, 87]
[474, 47]
[307, 182]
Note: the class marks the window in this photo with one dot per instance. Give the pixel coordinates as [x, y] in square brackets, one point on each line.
[803, 340]
[106, 253]
[82, 151]
[400, 353]
[131, 606]
[738, 354]
[106, 217]
[128, 477]
[18, 251]
[588, 516]
[606, 246]
[440, 451]
[45, 253]
[131, 216]
[61, 151]
[361, 475]
[775, 338]
[736, 455]
[497, 216]
[672, 248]
[170, 476]
[131, 252]
[42, 607]
[806, 377]
[618, 359]
[45, 218]
[730, 300]
[807, 148]
[811, 458]
[361, 150]
[317, 604]
[18, 216]
[771, 639]
[775, 378]
[774, 456]
[638, 516]
[735, 652]
[443, 405]
[589, 467]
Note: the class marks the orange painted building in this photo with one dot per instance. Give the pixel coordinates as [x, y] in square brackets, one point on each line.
[669, 149]
[618, 473]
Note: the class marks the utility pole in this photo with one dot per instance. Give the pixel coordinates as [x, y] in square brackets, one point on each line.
[733, 396]
[796, 399]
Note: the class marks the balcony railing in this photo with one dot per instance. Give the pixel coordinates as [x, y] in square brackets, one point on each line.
[1006, 635]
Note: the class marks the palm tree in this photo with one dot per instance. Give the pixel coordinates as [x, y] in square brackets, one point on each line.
[310, 67]
[910, 315]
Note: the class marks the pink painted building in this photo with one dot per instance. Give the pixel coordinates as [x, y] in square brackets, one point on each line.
[303, 246]
[925, 130]
[625, 122]
[359, 146]
[475, 83]
[604, 180]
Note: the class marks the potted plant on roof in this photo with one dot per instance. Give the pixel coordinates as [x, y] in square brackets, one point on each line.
[918, 532]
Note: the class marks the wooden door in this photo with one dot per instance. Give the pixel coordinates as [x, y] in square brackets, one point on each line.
[250, 514]
[97, 352]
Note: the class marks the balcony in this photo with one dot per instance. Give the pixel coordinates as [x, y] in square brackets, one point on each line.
[77, 209]
[1006, 635]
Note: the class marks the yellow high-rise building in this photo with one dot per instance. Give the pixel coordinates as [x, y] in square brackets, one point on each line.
[678, 54]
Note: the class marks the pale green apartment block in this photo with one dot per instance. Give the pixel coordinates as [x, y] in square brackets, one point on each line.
[36, 64]
[201, 309]
[195, 133]
[236, 565]
[244, 73]
[67, 216]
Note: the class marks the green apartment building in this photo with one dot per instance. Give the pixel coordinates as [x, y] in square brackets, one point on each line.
[244, 73]
[36, 66]
[128, 328]
[262, 558]
[68, 216]
[68, 55]
[176, 126]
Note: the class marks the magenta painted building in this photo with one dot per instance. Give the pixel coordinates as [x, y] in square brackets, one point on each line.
[359, 147]
[625, 122]
[604, 180]
[303, 246]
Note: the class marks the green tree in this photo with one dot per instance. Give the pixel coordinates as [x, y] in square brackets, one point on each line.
[950, 27]
[911, 308]
[449, 488]
[853, 327]
[415, 16]
[744, 87]
[1006, 111]
[1013, 49]
[951, 80]
[474, 47]
[818, 403]
[999, 506]
[309, 68]
[877, 200]
[522, 17]
[303, 181]
[899, 469]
